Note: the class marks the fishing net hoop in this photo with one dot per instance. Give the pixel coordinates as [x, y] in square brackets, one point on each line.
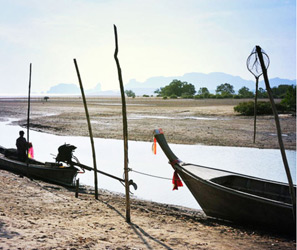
[253, 62]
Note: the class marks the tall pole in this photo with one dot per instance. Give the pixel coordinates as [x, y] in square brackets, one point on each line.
[90, 129]
[28, 116]
[29, 101]
[125, 127]
[278, 128]
[255, 108]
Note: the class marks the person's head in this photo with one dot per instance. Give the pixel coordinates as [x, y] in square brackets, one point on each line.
[22, 133]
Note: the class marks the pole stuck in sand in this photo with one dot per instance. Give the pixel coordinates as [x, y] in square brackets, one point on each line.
[28, 116]
[260, 53]
[90, 129]
[125, 127]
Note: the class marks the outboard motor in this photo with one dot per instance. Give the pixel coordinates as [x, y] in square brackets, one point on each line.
[65, 153]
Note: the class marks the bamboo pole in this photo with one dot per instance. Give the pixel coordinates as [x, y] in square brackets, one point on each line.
[255, 108]
[28, 117]
[90, 129]
[125, 127]
[278, 128]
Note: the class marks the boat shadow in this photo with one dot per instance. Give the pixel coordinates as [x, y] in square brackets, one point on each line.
[248, 229]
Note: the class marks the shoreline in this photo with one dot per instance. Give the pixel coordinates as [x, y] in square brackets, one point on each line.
[17, 122]
[153, 193]
[39, 215]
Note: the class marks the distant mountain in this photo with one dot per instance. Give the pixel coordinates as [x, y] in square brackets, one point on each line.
[64, 88]
[274, 82]
[210, 81]
[70, 88]
[94, 91]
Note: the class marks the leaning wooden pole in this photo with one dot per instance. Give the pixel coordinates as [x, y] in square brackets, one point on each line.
[28, 115]
[278, 128]
[125, 127]
[255, 109]
[90, 129]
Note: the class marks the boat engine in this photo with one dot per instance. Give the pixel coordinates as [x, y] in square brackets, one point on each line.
[65, 153]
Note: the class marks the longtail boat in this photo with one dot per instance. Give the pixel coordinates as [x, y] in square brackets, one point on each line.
[55, 172]
[235, 197]
[49, 171]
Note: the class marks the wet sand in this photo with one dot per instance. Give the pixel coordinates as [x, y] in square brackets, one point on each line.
[184, 121]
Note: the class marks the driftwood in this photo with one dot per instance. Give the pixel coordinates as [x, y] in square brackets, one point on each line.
[278, 128]
[125, 127]
[90, 129]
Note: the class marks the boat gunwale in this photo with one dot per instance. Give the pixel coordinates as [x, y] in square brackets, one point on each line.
[39, 165]
[238, 174]
[20, 167]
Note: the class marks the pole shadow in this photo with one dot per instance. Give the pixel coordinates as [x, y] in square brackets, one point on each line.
[140, 232]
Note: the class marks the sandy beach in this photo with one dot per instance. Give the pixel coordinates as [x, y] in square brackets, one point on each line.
[39, 215]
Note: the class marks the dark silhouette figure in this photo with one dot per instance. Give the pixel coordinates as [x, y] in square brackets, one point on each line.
[22, 147]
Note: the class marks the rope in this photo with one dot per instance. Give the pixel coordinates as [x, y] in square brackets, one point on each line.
[150, 175]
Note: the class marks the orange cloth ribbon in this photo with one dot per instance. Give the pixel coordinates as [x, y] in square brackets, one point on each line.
[154, 148]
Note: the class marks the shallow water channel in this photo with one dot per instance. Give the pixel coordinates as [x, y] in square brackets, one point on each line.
[264, 163]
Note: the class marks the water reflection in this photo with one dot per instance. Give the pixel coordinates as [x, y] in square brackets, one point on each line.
[265, 163]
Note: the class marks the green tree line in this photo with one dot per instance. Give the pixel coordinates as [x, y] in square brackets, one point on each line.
[287, 104]
[179, 89]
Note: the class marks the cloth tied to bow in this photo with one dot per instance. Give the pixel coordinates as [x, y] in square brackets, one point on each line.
[176, 181]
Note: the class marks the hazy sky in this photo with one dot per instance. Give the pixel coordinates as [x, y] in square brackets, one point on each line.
[156, 38]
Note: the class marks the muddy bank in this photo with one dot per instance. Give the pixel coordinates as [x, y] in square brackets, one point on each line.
[209, 122]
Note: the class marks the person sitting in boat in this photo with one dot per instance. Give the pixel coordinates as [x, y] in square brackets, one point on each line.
[22, 147]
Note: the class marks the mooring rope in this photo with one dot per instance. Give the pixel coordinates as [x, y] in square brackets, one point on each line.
[150, 175]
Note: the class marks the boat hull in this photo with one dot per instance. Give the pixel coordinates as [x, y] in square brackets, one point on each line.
[253, 201]
[60, 175]
[224, 203]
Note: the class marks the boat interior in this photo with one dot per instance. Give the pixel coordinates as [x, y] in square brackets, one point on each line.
[11, 153]
[265, 189]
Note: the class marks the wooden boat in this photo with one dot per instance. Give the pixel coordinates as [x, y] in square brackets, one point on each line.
[235, 197]
[48, 171]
